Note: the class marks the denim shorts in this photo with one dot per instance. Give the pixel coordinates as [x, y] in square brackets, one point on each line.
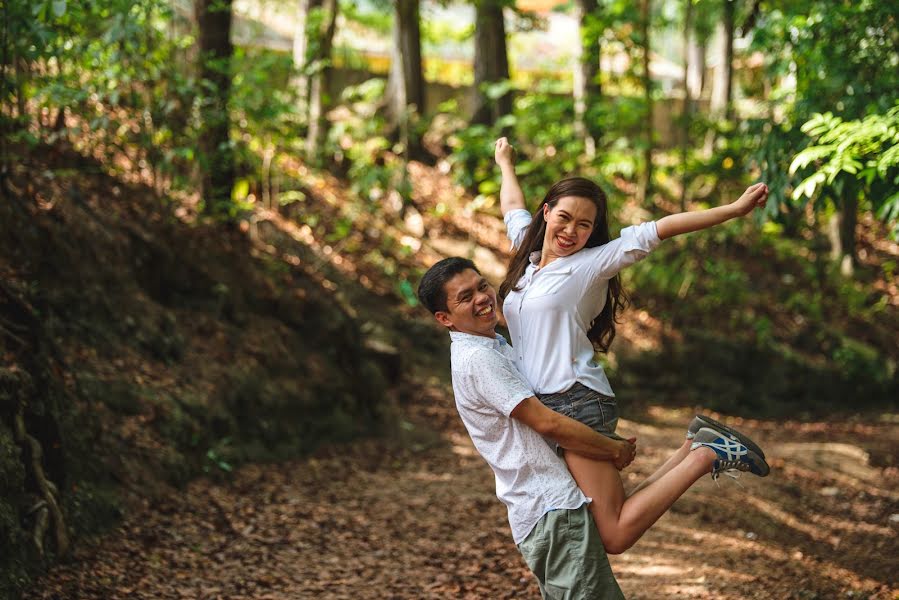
[597, 411]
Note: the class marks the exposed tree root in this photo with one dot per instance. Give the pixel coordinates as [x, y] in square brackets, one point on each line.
[47, 488]
[48, 510]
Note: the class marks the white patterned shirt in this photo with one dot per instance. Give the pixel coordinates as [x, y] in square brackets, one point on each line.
[550, 315]
[531, 479]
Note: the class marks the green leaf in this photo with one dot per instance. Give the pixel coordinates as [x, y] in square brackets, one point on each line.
[807, 187]
[241, 190]
[59, 7]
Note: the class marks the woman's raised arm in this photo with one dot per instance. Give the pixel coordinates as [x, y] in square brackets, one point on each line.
[510, 195]
[672, 225]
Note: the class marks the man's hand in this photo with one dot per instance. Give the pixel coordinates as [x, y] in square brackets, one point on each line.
[572, 435]
[503, 153]
[754, 196]
[626, 453]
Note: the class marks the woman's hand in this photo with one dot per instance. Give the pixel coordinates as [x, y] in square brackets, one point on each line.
[503, 152]
[626, 453]
[755, 196]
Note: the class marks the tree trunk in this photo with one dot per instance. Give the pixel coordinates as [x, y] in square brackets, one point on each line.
[491, 63]
[318, 83]
[300, 51]
[405, 93]
[696, 71]
[644, 188]
[688, 101]
[722, 84]
[841, 231]
[587, 90]
[216, 156]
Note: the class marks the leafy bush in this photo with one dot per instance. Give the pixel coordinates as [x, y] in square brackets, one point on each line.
[860, 156]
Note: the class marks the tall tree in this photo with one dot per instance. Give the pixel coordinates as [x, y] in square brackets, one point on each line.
[491, 62]
[722, 81]
[722, 88]
[405, 85]
[587, 88]
[301, 44]
[644, 188]
[319, 70]
[216, 155]
[688, 85]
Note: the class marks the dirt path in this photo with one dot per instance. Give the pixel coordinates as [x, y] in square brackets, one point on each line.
[418, 518]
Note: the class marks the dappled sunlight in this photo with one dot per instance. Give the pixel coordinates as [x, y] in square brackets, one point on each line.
[751, 553]
[784, 518]
[845, 463]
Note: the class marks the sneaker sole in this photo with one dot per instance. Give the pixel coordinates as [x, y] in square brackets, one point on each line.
[760, 462]
[743, 439]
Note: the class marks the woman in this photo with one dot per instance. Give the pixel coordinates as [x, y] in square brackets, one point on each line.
[561, 296]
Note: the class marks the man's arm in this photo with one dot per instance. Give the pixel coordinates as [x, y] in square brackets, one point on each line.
[672, 225]
[510, 195]
[572, 435]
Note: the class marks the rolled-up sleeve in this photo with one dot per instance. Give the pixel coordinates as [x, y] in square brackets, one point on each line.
[634, 244]
[517, 222]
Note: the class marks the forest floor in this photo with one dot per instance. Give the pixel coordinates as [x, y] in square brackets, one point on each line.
[419, 519]
[414, 515]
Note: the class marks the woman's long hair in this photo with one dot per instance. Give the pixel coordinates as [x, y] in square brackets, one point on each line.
[602, 329]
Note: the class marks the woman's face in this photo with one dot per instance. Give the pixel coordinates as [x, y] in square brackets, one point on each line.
[568, 225]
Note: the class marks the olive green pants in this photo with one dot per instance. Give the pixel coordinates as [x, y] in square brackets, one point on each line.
[567, 555]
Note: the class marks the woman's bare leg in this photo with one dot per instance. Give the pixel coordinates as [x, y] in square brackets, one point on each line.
[622, 521]
[673, 460]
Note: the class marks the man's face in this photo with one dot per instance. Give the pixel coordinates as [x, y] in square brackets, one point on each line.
[470, 303]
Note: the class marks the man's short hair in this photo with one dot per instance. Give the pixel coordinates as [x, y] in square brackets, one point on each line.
[432, 288]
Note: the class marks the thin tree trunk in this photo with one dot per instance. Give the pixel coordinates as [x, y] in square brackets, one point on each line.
[11, 79]
[688, 102]
[696, 72]
[491, 62]
[841, 231]
[300, 51]
[720, 106]
[318, 85]
[587, 90]
[217, 160]
[405, 95]
[645, 186]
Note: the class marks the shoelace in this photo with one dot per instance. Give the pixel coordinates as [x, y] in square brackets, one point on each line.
[731, 468]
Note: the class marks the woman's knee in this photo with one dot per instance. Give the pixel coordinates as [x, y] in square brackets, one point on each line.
[617, 546]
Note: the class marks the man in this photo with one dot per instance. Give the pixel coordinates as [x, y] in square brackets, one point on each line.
[548, 513]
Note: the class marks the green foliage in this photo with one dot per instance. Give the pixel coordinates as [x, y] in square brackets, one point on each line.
[823, 56]
[357, 142]
[116, 68]
[860, 156]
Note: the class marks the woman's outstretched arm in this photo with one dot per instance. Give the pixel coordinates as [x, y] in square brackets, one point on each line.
[510, 195]
[672, 225]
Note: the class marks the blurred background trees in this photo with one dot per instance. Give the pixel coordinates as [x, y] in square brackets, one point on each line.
[160, 84]
[668, 104]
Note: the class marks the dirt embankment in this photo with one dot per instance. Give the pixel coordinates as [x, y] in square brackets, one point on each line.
[138, 351]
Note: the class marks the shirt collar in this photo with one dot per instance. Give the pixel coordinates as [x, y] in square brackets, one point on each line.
[496, 343]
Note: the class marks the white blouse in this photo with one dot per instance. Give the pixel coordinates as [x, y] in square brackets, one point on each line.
[551, 313]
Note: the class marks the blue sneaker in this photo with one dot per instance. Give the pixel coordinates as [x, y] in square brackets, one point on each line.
[733, 456]
[700, 421]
